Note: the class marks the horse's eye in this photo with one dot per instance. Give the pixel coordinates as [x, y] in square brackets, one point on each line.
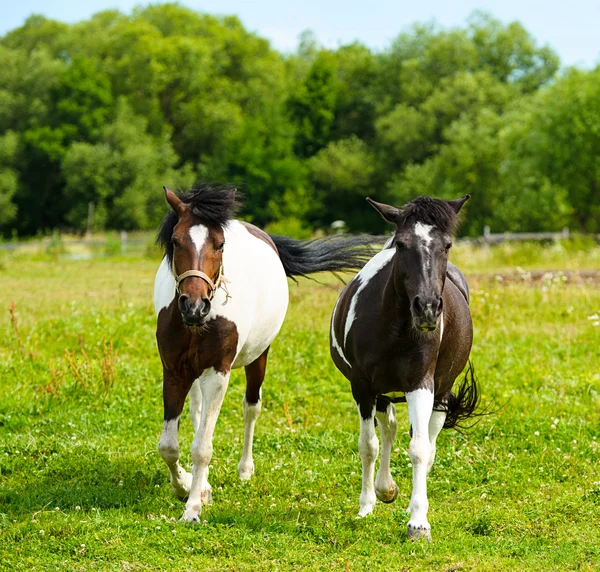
[175, 242]
[448, 247]
[400, 245]
[220, 247]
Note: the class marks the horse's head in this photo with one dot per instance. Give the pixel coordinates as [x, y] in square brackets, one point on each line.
[422, 240]
[197, 259]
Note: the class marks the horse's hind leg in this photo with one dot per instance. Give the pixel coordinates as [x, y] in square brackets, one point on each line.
[251, 404]
[420, 406]
[385, 487]
[213, 385]
[195, 404]
[436, 424]
[175, 390]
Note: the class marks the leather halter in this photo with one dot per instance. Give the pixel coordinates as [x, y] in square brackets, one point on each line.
[214, 286]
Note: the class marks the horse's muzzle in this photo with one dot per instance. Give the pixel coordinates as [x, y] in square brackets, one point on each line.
[193, 312]
[426, 313]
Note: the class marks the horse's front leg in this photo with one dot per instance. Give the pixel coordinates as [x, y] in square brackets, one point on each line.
[420, 406]
[175, 390]
[213, 385]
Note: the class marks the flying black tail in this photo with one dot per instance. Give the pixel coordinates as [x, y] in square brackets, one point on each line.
[337, 253]
[463, 405]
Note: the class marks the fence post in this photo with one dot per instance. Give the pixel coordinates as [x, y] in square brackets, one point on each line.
[486, 234]
[90, 221]
[123, 241]
[565, 233]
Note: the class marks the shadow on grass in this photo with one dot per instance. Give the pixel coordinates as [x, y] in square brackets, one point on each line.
[103, 484]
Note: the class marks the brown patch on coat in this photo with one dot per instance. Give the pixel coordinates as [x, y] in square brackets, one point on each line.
[187, 352]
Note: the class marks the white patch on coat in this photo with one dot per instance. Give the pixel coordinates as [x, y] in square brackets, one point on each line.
[334, 341]
[370, 269]
[198, 234]
[164, 286]
[258, 287]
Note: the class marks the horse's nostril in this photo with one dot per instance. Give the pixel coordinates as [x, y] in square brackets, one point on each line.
[183, 302]
[205, 307]
[417, 305]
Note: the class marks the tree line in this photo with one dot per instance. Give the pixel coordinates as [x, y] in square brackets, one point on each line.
[110, 109]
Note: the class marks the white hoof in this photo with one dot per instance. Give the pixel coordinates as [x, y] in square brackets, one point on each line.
[191, 515]
[417, 530]
[365, 510]
[245, 471]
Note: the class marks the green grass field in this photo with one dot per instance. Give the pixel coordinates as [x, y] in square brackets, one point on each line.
[82, 486]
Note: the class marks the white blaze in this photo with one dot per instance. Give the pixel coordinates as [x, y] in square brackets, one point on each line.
[423, 231]
[198, 234]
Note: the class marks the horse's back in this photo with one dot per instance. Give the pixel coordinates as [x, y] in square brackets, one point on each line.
[458, 279]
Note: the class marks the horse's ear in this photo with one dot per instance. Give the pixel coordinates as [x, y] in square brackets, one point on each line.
[388, 212]
[176, 203]
[457, 204]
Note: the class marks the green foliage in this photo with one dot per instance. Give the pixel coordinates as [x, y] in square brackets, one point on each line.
[8, 176]
[110, 109]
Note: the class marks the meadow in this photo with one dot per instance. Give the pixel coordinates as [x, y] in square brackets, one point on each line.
[82, 486]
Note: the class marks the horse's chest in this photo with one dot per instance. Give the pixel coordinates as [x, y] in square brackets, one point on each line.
[398, 369]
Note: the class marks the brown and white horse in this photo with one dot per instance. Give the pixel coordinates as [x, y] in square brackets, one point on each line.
[401, 330]
[221, 295]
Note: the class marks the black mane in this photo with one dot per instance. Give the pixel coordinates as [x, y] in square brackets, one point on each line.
[212, 204]
[428, 210]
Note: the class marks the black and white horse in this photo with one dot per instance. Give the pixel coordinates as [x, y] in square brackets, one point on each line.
[401, 330]
[221, 295]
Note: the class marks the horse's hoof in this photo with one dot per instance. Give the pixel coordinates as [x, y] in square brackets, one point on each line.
[191, 516]
[390, 496]
[245, 472]
[365, 510]
[418, 531]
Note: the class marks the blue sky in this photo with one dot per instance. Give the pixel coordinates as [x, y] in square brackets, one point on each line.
[570, 28]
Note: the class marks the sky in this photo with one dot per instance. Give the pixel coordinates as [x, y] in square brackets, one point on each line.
[570, 28]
